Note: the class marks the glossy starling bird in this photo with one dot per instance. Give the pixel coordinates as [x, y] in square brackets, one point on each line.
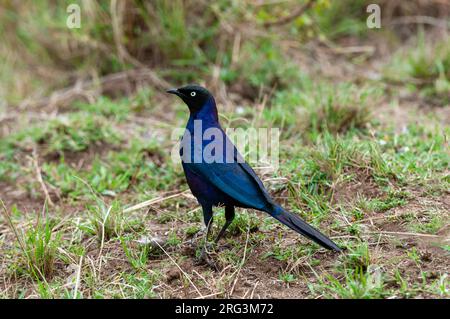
[222, 177]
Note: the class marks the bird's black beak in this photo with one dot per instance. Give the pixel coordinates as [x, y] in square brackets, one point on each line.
[174, 91]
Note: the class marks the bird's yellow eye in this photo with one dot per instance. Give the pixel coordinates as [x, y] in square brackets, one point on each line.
[193, 93]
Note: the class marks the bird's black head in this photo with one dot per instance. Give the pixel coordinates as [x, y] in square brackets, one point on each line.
[194, 96]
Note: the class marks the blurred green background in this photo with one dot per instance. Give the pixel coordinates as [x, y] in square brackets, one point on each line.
[86, 132]
[244, 45]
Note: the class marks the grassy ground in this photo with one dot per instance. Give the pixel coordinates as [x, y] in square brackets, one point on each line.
[363, 155]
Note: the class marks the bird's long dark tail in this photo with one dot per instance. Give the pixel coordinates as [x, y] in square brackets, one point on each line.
[300, 226]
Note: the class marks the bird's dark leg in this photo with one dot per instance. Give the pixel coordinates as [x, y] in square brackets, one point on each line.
[208, 219]
[229, 216]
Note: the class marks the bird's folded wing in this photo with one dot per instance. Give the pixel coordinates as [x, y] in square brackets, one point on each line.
[252, 173]
[237, 180]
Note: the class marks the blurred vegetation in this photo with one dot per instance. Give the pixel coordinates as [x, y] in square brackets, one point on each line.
[84, 123]
[182, 40]
[426, 67]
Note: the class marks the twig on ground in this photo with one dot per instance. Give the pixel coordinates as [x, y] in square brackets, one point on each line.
[99, 257]
[210, 295]
[38, 172]
[201, 277]
[253, 291]
[77, 281]
[294, 15]
[151, 202]
[242, 261]
[403, 234]
[440, 23]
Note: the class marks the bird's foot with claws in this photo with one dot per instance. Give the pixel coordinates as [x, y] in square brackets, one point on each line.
[205, 257]
[197, 237]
